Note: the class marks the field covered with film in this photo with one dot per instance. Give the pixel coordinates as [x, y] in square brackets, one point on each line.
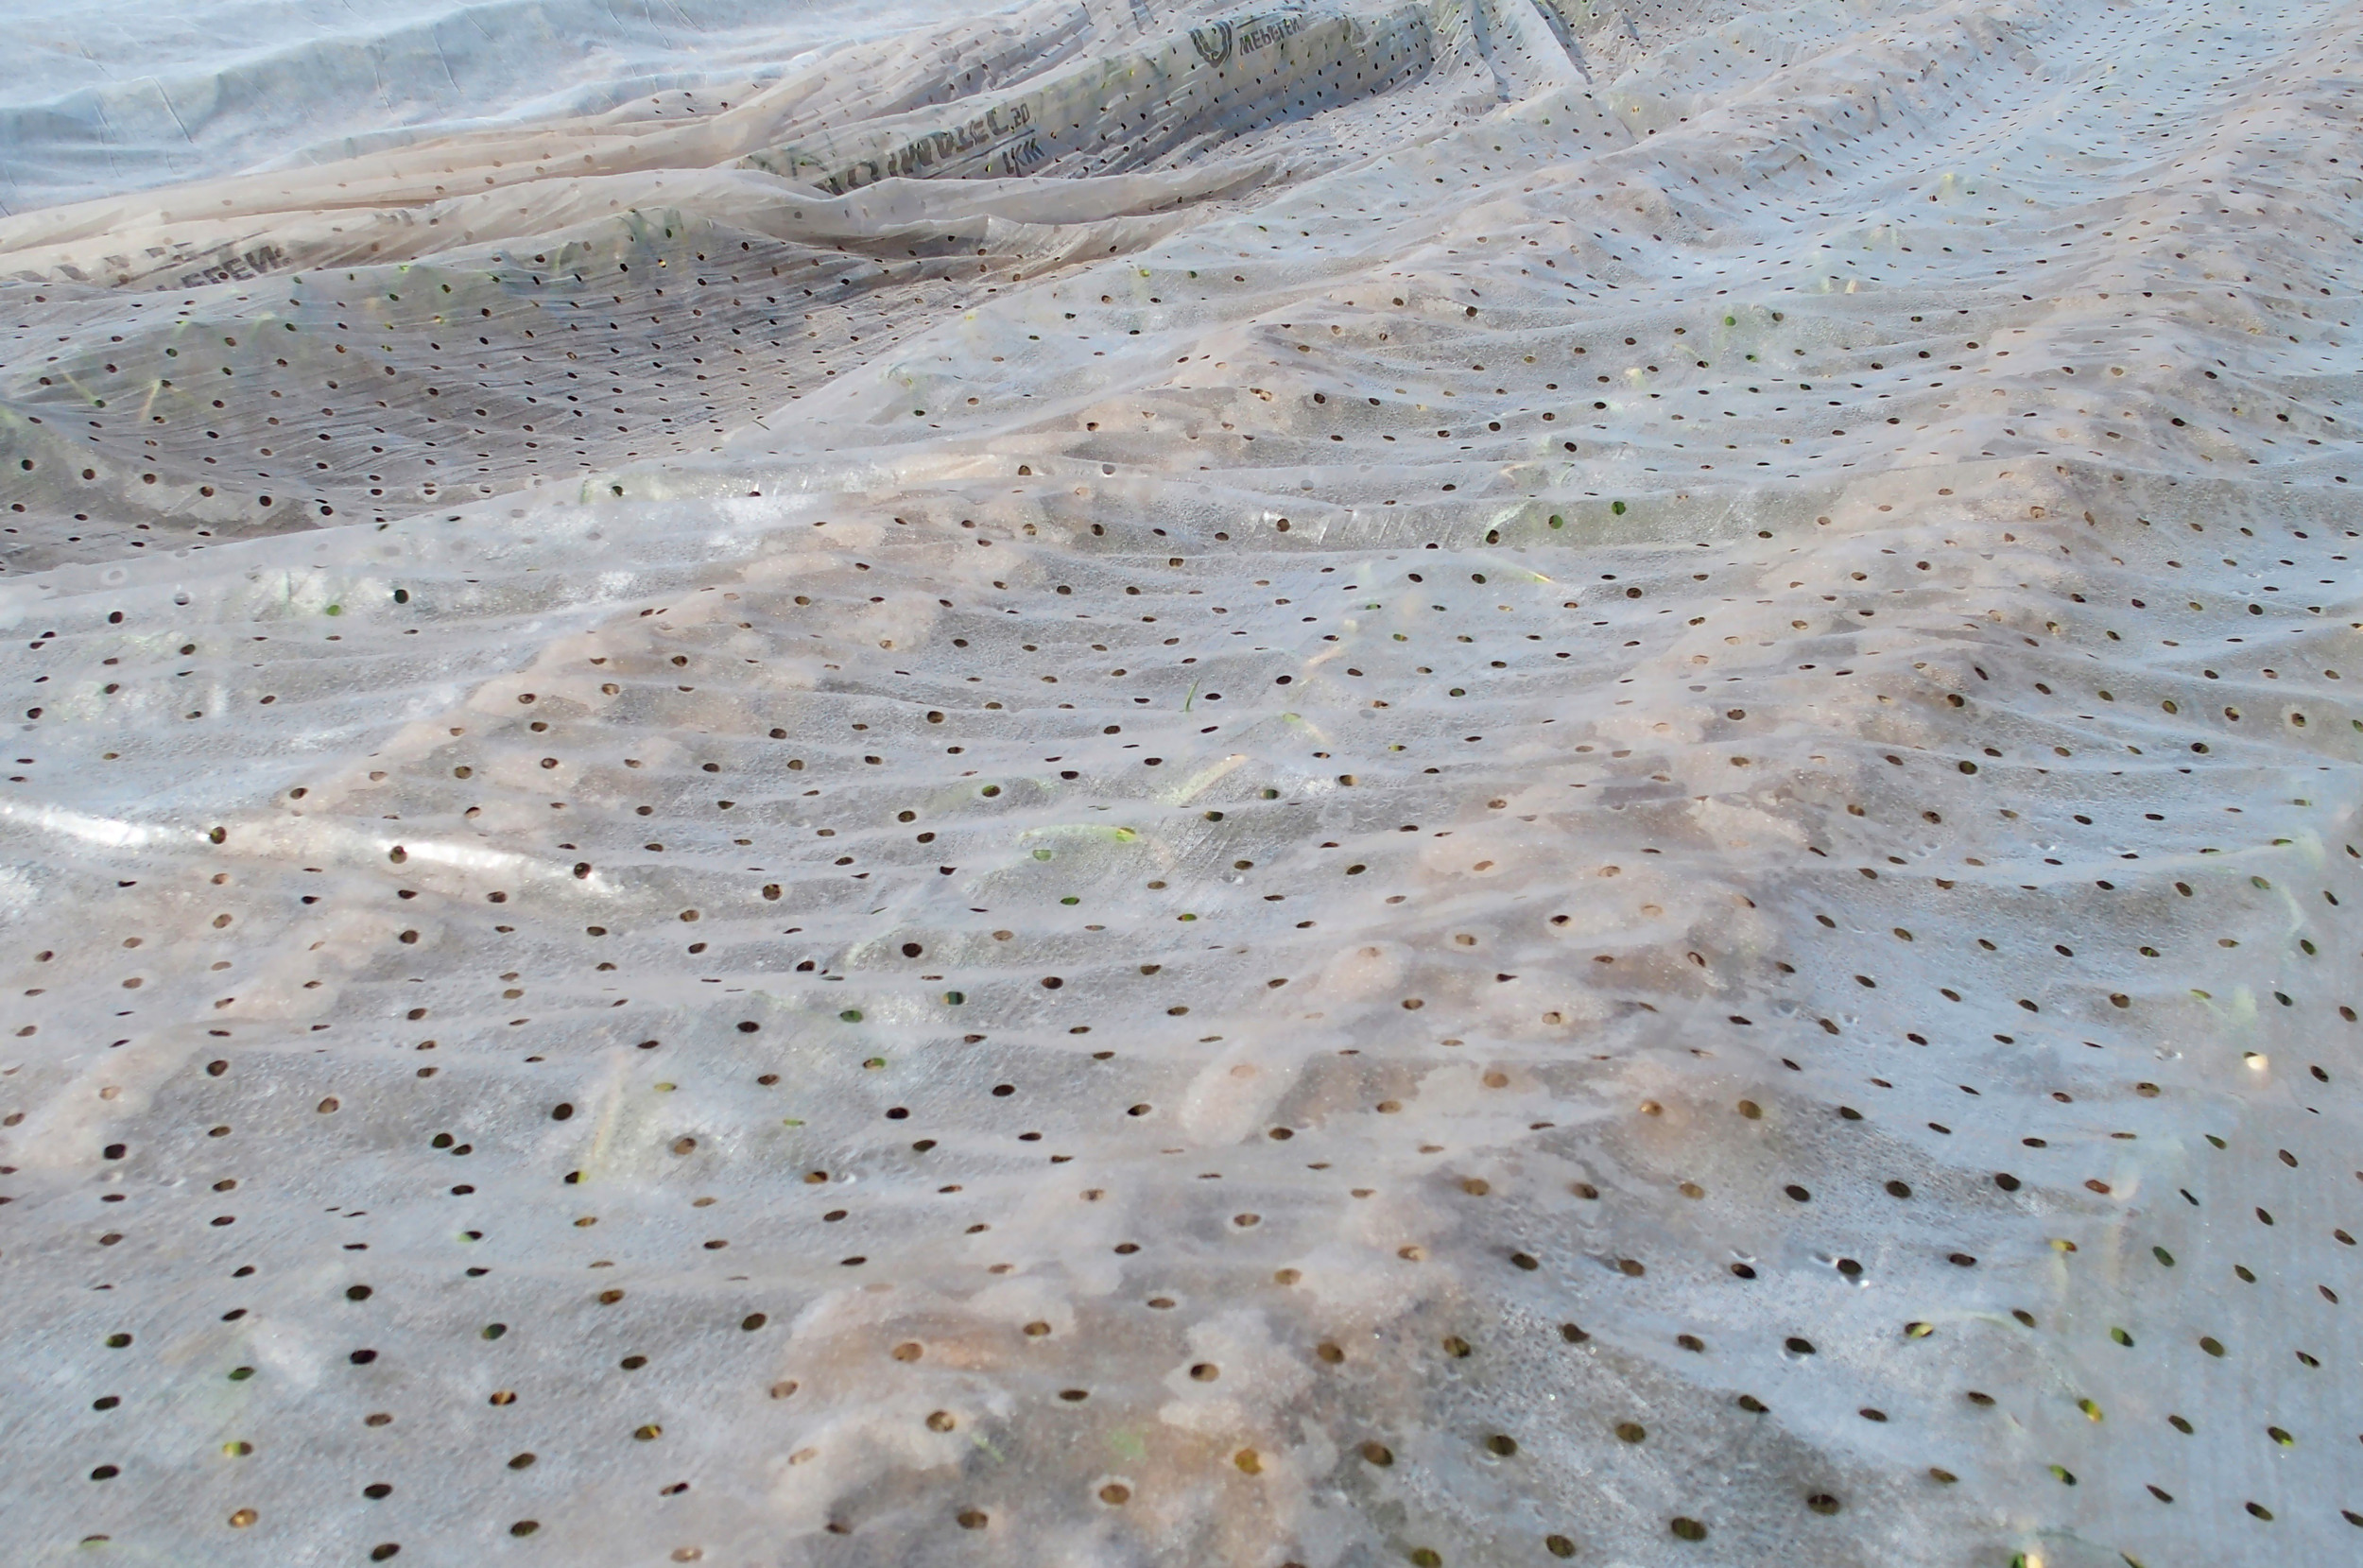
[1464, 782]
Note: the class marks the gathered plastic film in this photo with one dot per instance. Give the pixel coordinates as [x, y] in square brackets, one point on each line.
[1461, 784]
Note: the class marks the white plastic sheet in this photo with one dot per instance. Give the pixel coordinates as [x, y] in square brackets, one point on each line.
[1480, 784]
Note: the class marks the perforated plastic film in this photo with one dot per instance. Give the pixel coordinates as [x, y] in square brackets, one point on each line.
[1467, 785]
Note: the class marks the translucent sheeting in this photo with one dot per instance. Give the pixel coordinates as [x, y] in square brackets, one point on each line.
[124, 95]
[1505, 786]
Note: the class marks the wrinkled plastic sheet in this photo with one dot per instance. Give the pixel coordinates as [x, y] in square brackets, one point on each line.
[1505, 786]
